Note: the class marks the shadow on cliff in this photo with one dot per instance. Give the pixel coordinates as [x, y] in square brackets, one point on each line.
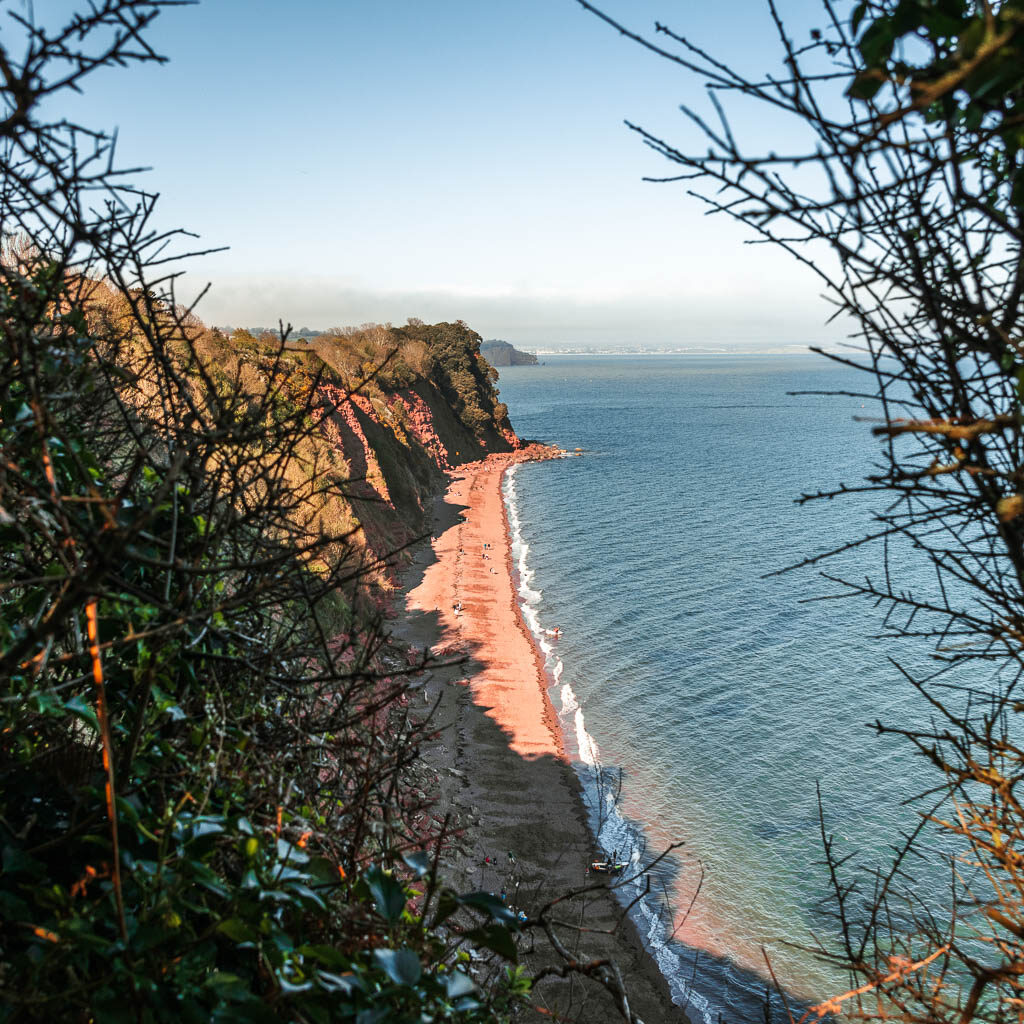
[534, 806]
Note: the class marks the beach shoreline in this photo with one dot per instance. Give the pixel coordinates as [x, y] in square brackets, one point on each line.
[503, 774]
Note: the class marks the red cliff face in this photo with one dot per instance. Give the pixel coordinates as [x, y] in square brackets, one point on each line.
[396, 448]
[422, 427]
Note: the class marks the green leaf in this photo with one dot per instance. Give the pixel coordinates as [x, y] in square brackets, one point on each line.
[16, 862]
[906, 17]
[207, 827]
[402, 966]
[877, 42]
[458, 984]
[325, 954]
[447, 904]
[126, 811]
[12, 907]
[47, 703]
[290, 853]
[227, 986]
[347, 983]
[237, 930]
[293, 988]
[865, 85]
[941, 25]
[418, 863]
[387, 893]
[324, 871]
[307, 894]
[490, 904]
[496, 937]
[209, 880]
[81, 709]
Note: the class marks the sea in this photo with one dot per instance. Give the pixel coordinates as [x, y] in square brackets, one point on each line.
[708, 698]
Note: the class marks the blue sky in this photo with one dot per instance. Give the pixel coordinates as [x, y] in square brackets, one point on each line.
[383, 159]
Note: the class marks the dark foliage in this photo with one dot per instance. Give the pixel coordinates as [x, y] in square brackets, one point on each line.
[206, 806]
[203, 743]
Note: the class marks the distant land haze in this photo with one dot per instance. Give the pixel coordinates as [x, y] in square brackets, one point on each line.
[491, 348]
[504, 353]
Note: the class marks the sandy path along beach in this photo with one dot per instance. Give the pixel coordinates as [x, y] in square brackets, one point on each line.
[499, 754]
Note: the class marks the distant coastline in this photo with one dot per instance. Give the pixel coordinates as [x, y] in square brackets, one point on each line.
[668, 350]
[503, 353]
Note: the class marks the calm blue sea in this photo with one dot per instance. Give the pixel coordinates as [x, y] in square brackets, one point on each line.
[723, 696]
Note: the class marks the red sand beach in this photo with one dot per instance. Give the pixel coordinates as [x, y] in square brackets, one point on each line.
[503, 773]
[474, 570]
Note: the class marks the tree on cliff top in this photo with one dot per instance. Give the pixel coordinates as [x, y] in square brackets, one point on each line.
[462, 374]
[906, 203]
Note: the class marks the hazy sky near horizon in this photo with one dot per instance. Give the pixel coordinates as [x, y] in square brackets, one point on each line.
[372, 161]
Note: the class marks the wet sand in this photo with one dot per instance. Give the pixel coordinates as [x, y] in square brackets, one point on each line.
[502, 769]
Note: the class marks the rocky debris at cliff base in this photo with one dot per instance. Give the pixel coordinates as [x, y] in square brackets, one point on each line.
[529, 451]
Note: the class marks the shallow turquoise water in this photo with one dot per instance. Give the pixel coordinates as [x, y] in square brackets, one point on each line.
[722, 695]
